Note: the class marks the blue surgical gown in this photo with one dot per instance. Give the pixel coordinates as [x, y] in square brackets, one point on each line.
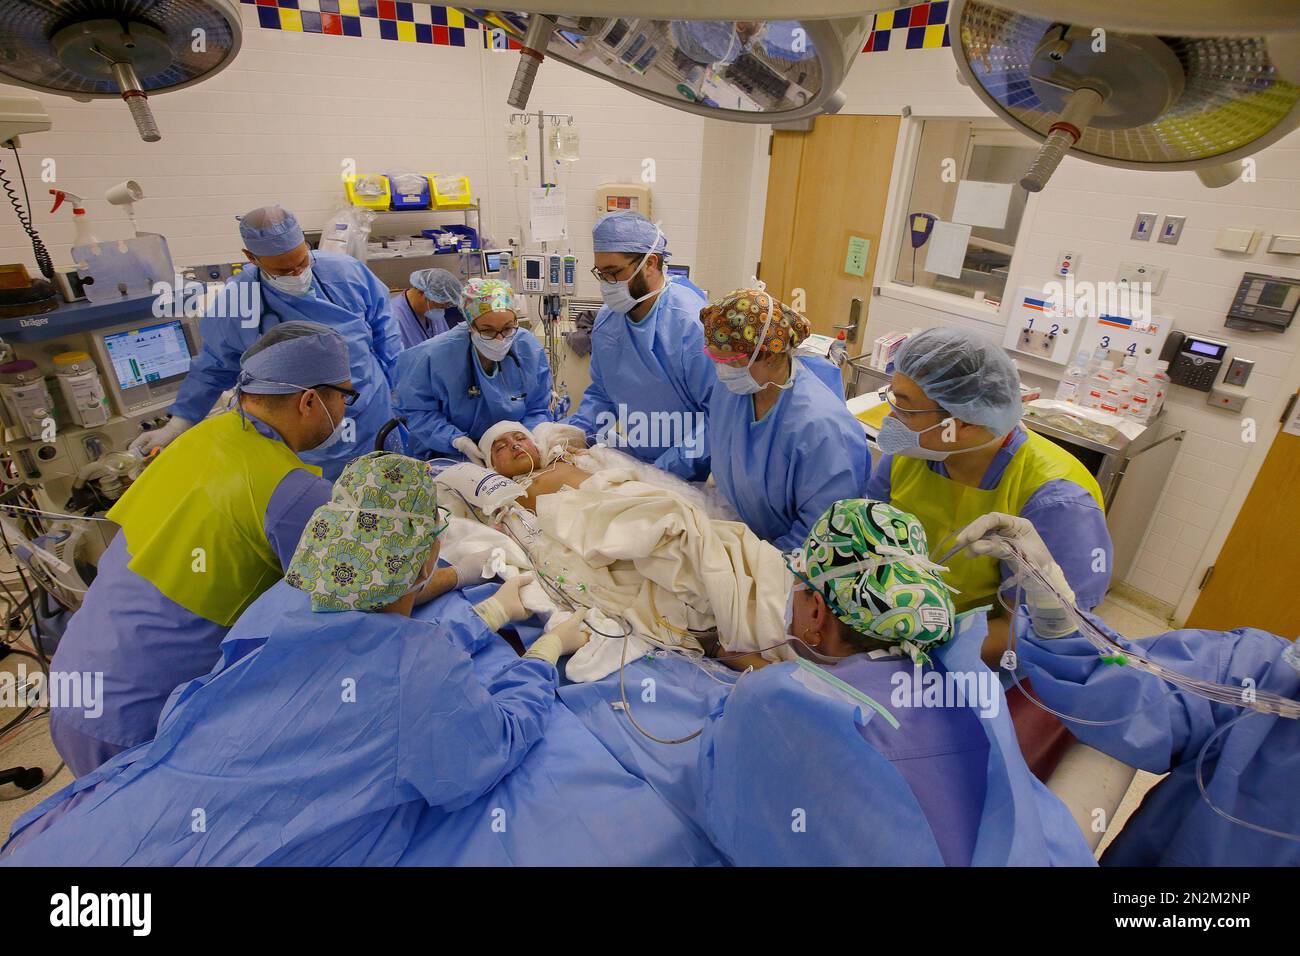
[319, 738]
[345, 296]
[827, 372]
[1252, 771]
[783, 472]
[949, 786]
[1063, 513]
[433, 390]
[414, 328]
[655, 365]
[144, 643]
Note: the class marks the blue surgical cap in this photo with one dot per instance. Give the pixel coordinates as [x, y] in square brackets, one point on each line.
[967, 374]
[707, 41]
[627, 232]
[270, 231]
[438, 285]
[293, 356]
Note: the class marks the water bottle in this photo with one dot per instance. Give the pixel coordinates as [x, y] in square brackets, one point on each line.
[1074, 384]
[1098, 385]
[839, 350]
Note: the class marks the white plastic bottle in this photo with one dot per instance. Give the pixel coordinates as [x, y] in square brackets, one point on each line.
[1099, 385]
[1162, 385]
[1073, 386]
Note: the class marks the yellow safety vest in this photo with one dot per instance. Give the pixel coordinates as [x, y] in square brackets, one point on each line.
[945, 506]
[195, 519]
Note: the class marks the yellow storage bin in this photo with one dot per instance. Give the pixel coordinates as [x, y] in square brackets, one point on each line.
[369, 190]
[450, 192]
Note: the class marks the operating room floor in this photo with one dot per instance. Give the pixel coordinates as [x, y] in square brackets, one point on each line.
[33, 746]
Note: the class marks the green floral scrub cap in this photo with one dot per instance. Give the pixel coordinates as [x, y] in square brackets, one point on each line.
[869, 561]
[366, 546]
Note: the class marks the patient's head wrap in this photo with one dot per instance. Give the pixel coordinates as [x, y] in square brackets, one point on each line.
[735, 323]
[366, 546]
[868, 560]
[495, 432]
[480, 296]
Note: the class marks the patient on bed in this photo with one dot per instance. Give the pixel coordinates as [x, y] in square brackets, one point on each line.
[607, 532]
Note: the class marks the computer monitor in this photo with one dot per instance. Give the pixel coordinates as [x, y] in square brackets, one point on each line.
[145, 364]
[679, 270]
[496, 261]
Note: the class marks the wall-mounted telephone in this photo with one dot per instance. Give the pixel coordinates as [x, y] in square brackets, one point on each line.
[1194, 362]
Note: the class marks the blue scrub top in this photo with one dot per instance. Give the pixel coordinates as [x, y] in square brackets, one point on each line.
[782, 473]
[319, 738]
[1065, 515]
[414, 328]
[433, 390]
[655, 365]
[1251, 772]
[144, 643]
[347, 297]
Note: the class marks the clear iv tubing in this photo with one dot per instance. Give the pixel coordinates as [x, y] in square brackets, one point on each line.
[1261, 701]
[1205, 795]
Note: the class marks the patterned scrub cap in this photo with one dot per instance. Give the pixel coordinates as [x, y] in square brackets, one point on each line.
[869, 561]
[365, 547]
[486, 295]
[735, 323]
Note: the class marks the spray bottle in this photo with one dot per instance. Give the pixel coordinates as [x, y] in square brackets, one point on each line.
[79, 218]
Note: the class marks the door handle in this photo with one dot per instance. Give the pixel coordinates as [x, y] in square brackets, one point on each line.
[855, 318]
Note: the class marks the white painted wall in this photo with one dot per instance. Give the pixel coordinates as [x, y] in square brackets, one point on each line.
[277, 124]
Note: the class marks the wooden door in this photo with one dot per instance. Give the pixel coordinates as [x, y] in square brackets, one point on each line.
[824, 187]
[1253, 580]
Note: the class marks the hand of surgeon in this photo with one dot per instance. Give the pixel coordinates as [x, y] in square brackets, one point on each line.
[996, 535]
[565, 639]
[506, 605]
[469, 448]
[146, 442]
[469, 569]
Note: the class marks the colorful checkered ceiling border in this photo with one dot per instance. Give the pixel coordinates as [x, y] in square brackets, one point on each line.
[374, 19]
[920, 27]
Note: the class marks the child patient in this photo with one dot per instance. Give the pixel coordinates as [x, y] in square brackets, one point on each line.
[509, 450]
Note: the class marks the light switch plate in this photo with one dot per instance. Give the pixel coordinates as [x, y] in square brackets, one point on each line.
[1237, 240]
[1172, 230]
[1143, 226]
[1284, 245]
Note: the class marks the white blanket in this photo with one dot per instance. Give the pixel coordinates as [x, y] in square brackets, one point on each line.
[647, 554]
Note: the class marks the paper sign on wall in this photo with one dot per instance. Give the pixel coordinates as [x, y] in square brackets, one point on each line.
[948, 243]
[855, 260]
[548, 214]
[982, 204]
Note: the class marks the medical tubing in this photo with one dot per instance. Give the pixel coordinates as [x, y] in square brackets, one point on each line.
[42, 255]
[1200, 785]
[1262, 701]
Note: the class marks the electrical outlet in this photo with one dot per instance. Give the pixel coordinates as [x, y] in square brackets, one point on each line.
[1137, 272]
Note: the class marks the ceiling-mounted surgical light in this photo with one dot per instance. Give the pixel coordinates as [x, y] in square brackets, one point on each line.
[1138, 101]
[94, 49]
[757, 71]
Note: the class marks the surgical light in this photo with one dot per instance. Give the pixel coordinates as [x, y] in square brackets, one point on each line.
[1133, 100]
[95, 49]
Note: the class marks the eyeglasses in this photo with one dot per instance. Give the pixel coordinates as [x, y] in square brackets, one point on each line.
[350, 395]
[733, 360]
[889, 398]
[607, 275]
[499, 334]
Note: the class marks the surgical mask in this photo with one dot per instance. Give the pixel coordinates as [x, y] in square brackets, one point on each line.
[336, 431]
[298, 285]
[494, 350]
[434, 315]
[618, 296]
[895, 438]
